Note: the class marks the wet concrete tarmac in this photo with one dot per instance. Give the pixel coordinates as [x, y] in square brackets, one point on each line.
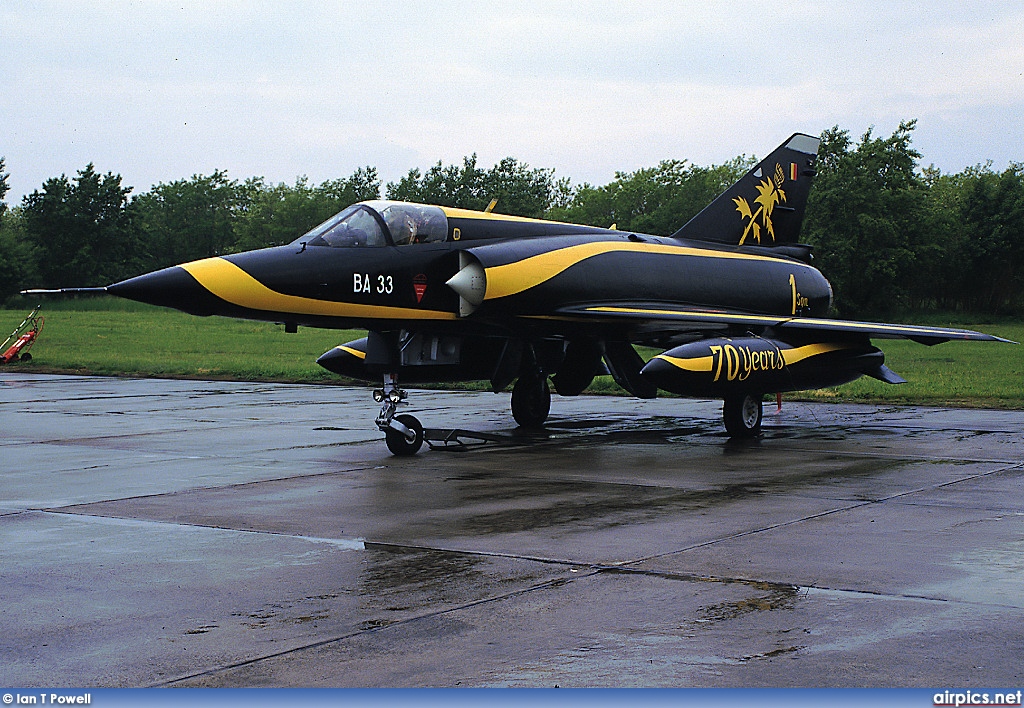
[228, 534]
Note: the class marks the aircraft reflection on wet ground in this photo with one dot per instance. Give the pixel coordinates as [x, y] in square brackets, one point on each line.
[216, 534]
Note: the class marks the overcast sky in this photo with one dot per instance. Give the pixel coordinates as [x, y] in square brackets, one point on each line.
[158, 91]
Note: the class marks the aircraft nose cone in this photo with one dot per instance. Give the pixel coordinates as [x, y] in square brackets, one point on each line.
[658, 372]
[170, 287]
[337, 360]
[347, 360]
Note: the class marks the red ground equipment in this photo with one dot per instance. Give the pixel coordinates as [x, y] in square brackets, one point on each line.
[23, 337]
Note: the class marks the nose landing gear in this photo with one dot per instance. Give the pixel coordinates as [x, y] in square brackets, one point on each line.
[403, 434]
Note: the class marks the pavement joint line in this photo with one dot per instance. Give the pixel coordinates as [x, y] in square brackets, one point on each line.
[84, 442]
[828, 512]
[909, 458]
[195, 395]
[236, 485]
[751, 532]
[132, 521]
[552, 583]
[386, 545]
[360, 441]
[928, 504]
[1006, 468]
[694, 577]
[111, 397]
[625, 569]
[173, 431]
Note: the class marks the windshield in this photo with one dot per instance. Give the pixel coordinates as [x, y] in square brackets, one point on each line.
[355, 226]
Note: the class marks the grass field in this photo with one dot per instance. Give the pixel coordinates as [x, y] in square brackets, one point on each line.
[148, 341]
[127, 339]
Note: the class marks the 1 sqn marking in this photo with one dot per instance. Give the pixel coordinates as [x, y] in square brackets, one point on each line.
[738, 363]
[363, 283]
[799, 301]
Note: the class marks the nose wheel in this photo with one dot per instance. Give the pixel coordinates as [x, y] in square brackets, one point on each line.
[403, 434]
[404, 444]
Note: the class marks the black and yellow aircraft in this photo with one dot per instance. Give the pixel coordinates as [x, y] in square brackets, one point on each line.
[456, 295]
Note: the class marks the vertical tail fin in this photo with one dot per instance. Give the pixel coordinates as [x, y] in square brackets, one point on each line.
[766, 206]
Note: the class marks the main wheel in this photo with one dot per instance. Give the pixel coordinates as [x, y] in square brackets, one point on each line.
[742, 414]
[398, 443]
[531, 401]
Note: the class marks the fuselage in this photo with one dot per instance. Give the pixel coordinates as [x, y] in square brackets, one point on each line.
[523, 270]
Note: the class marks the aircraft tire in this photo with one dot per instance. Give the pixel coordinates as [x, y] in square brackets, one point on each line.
[742, 413]
[26, 357]
[397, 442]
[531, 401]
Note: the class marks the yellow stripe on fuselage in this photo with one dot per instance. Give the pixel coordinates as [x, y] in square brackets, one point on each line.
[350, 350]
[456, 213]
[232, 284]
[698, 364]
[515, 277]
[789, 356]
[798, 354]
[691, 314]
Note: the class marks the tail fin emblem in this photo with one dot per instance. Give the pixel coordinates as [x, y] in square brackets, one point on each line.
[770, 193]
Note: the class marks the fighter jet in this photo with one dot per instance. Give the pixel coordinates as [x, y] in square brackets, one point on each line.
[730, 300]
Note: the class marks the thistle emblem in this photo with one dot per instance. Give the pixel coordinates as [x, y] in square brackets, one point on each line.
[770, 194]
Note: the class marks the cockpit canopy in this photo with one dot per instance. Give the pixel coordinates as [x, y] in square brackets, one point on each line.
[379, 223]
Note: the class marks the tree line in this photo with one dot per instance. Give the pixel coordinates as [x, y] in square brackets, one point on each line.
[891, 236]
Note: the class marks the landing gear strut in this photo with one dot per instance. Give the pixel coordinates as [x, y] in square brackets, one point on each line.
[402, 433]
[742, 413]
[531, 400]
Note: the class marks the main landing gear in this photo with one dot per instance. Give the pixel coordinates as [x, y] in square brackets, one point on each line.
[402, 433]
[742, 413]
[531, 400]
